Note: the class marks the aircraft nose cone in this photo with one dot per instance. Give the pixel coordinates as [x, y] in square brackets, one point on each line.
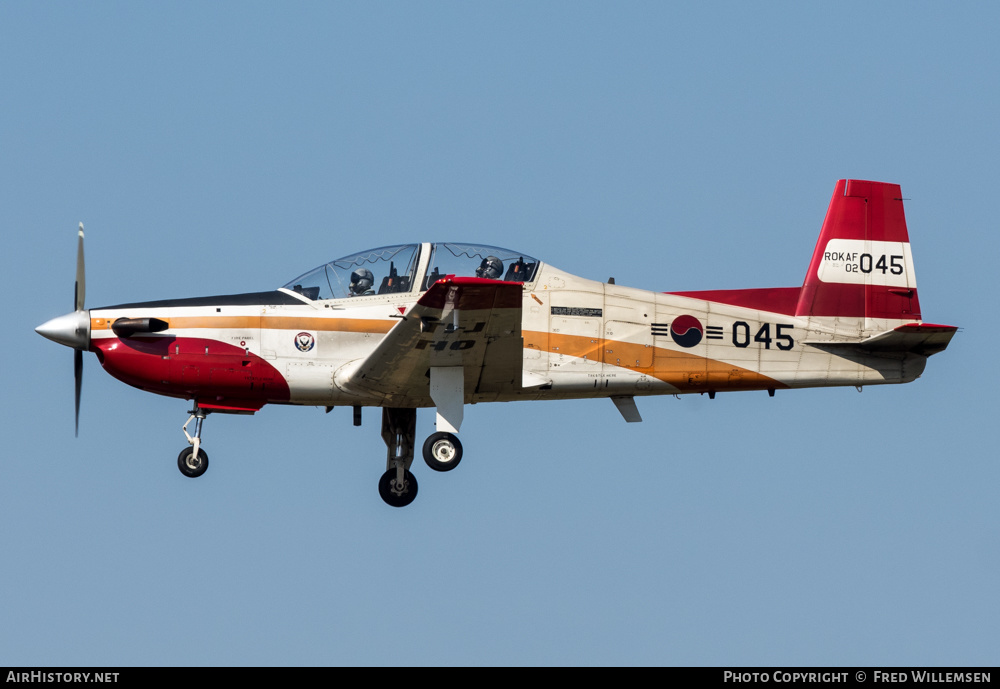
[72, 329]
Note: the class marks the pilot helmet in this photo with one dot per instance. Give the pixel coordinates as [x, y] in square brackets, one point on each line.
[361, 281]
[491, 268]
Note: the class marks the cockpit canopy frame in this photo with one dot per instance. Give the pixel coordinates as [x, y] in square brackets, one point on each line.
[403, 269]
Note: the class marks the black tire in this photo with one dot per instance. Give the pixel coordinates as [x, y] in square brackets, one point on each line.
[191, 466]
[393, 497]
[442, 451]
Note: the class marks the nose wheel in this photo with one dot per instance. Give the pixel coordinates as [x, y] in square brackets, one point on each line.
[192, 464]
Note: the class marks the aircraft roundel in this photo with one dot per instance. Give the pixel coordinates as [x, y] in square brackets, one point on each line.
[686, 331]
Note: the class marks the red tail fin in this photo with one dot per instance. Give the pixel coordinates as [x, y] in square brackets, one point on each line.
[862, 266]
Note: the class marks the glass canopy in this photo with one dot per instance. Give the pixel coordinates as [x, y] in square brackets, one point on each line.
[393, 269]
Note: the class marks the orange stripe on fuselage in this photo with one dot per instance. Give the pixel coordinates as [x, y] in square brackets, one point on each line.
[344, 325]
[348, 325]
[682, 370]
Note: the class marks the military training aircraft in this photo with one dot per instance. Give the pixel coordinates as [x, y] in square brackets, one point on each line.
[448, 324]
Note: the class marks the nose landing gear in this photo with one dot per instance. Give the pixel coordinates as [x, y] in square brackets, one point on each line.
[193, 461]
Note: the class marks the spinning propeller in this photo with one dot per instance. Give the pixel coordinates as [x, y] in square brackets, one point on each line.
[73, 329]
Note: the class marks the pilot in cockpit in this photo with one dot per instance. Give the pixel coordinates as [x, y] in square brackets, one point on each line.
[491, 268]
[362, 281]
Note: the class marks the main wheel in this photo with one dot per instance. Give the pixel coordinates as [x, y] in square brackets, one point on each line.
[192, 466]
[442, 451]
[397, 496]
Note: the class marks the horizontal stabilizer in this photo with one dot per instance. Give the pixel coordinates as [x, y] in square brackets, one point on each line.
[916, 338]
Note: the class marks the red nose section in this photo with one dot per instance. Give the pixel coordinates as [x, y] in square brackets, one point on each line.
[216, 374]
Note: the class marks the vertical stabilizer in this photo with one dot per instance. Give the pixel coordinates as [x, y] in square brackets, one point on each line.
[862, 266]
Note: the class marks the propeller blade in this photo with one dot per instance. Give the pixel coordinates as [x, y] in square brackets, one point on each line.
[81, 281]
[79, 295]
[78, 375]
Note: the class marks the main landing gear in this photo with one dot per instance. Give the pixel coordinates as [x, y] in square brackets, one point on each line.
[193, 461]
[442, 452]
[398, 487]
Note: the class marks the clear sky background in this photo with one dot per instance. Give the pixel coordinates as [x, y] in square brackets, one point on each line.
[229, 147]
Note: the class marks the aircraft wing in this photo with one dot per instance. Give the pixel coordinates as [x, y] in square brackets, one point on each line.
[473, 323]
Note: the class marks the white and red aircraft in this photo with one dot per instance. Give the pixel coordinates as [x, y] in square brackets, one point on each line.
[444, 325]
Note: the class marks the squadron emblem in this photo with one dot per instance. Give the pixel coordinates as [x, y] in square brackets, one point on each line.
[305, 341]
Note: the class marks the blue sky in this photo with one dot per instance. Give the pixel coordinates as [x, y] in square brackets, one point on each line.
[229, 147]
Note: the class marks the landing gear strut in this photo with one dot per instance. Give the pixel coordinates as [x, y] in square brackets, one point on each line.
[398, 487]
[193, 461]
